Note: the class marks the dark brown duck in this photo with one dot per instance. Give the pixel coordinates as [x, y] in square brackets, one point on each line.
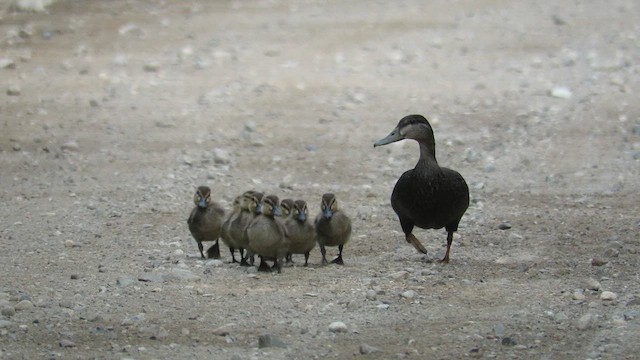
[205, 221]
[427, 196]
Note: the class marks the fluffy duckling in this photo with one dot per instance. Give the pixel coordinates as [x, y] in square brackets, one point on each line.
[333, 228]
[302, 235]
[428, 196]
[236, 224]
[267, 234]
[205, 221]
[225, 235]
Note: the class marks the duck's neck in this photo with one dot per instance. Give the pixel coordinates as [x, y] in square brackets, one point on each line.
[427, 155]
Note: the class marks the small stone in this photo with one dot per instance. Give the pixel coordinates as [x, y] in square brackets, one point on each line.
[598, 262]
[508, 341]
[634, 302]
[214, 263]
[4, 324]
[561, 92]
[592, 284]
[611, 252]
[64, 343]
[399, 275]
[586, 321]
[74, 276]
[151, 67]
[220, 156]
[504, 226]
[123, 281]
[579, 295]
[366, 349]
[268, 340]
[6, 63]
[222, 330]
[499, 330]
[178, 252]
[608, 296]
[338, 327]
[8, 311]
[371, 295]
[13, 90]
[24, 305]
[71, 146]
[409, 294]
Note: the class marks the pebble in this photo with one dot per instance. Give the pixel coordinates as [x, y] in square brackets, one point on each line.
[23, 305]
[8, 311]
[6, 63]
[221, 156]
[4, 324]
[151, 67]
[366, 349]
[13, 90]
[399, 275]
[124, 281]
[592, 284]
[371, 295]
[504, 226]
[561, 92]
[586, 321]
[70, 146]
[338, 327]
[608, 296]
[598, 262]
[214, 263]
[268, 340]
[579, 295]
[64, 343]
[409, 294]
[509, 341]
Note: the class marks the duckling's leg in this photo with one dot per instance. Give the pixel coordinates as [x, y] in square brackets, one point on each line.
[445, 259]
[338, 260]
[277, 265]
[233, 256]
[244, 258]
[289, 258]
[306, 258]
[214, 251]
[263, 266]
[201, 248]
[323, 251]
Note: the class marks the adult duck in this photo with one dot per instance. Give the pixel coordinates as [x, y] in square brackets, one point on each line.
[427, 196]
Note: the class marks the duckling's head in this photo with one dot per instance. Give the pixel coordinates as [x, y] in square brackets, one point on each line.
[202, 197]
[246, 199]
[254, 202]
[414, 127]
[287, 207]
[271, 206]
[300, 210]
[329, 205]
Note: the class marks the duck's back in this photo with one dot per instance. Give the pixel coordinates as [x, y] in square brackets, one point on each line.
[431, 199]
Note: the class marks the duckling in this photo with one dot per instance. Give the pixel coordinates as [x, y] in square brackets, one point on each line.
[205, 221]
[428, 196]
[267, 234]
[225, 234]
[302, 235]
[238, 223]
[333, 228]
[287, 207]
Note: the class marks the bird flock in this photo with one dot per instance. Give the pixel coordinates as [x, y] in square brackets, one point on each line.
[262, 225]
[427, 196]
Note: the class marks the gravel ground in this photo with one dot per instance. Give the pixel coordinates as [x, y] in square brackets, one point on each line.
[112, 113]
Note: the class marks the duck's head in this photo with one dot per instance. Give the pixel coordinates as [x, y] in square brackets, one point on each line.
[202, 197]
[253, 201]
[287, 207]
[300, 211]
[271, 206]
[329, 205]
[414, 127]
